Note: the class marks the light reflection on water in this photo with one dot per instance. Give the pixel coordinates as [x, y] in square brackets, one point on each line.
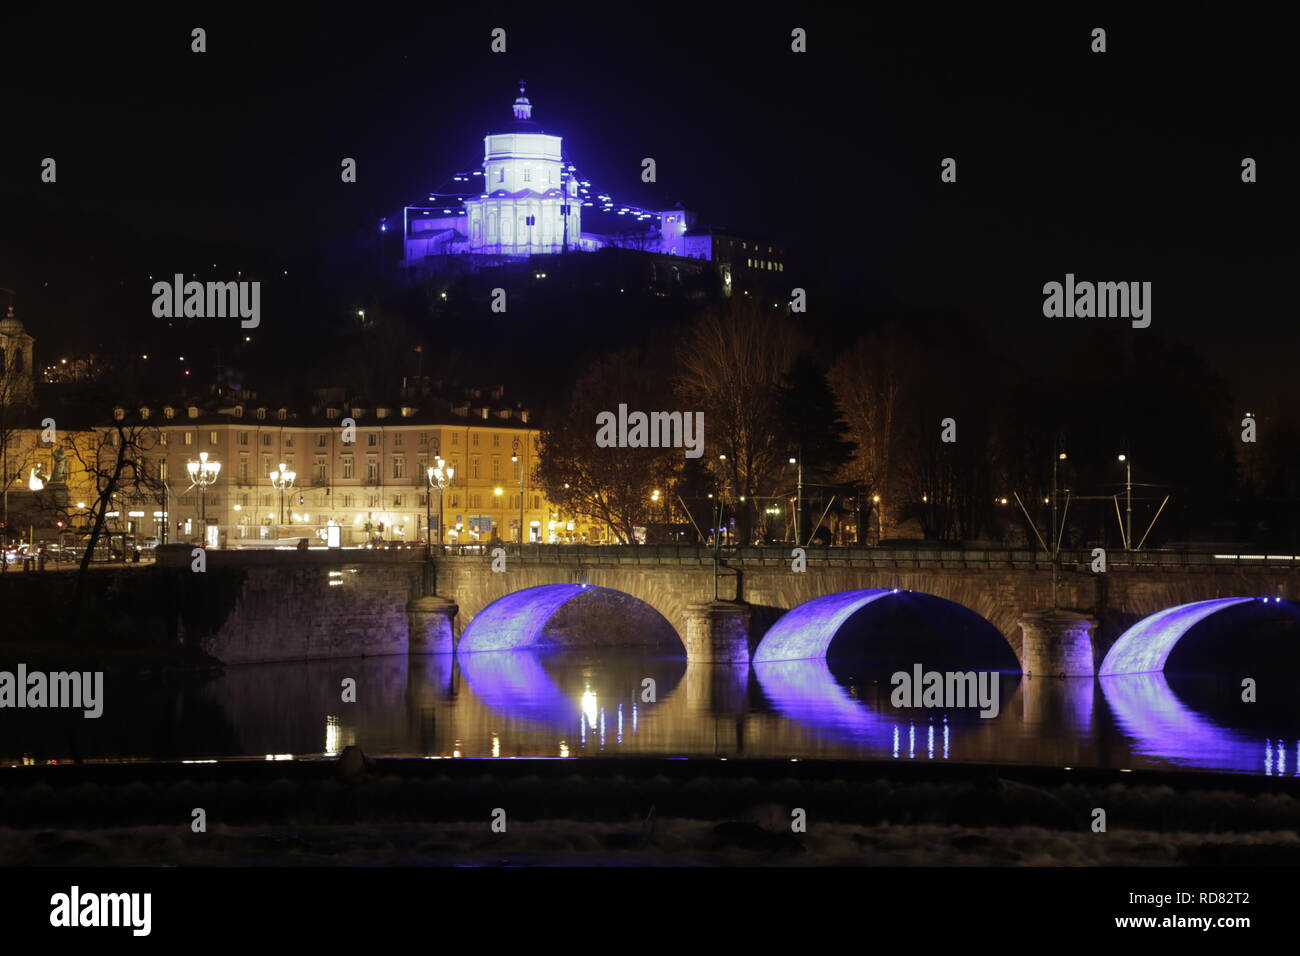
[578, 704]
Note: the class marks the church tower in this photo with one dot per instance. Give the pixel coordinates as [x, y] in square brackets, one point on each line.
[16, 346]
[529, 203]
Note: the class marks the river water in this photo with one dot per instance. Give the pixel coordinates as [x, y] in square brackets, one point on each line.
[593, 704]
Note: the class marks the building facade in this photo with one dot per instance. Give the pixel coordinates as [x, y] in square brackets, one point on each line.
[360, 470]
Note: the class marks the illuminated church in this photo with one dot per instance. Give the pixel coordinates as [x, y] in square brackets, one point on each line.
[529, 199]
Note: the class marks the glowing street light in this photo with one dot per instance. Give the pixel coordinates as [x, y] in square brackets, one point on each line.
[1128, 502]
[282, 479]
[439, 475]
[203, 473]
[514, 457]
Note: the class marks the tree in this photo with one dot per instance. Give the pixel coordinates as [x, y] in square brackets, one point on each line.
[810, 417]
[113, 459]
[614, 486]
[733, 364]
[870, 384]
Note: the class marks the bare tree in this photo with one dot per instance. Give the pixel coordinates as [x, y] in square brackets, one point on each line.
[870, 380]
[112, 456]
[733, 364]
[611, 485]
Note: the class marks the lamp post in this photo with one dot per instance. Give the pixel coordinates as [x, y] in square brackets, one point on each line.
[1060, 457]
[1128, 501]
[282, 479]
[203, 473]
[439, 475]
[498, 492]
[798, 497]
[515, 457]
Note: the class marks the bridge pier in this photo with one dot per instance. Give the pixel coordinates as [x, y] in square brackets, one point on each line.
[1056, 643]
[429, 625]
[717, 632]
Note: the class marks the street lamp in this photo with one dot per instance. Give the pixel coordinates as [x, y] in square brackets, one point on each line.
[282, 479]
[798, 508]
[1060, 457]
[516, 459]
[203, 473]
[1128, 501]
[439, 475]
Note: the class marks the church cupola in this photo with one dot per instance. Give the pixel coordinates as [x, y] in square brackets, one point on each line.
[523, 108]
[16, 372]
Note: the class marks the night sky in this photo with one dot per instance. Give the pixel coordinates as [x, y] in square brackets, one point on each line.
[1116, 166]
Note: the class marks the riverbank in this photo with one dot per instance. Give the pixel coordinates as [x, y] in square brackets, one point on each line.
[639, 812]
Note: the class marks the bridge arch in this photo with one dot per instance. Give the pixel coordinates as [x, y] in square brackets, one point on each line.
[808, 630]
[520, 619]
[1144, 647]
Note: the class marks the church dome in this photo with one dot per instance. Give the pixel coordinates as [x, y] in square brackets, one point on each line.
[10, 325]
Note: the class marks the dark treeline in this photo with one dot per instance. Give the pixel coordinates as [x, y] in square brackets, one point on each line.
[867, 415]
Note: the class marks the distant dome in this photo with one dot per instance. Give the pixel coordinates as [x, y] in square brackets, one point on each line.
[10, 325]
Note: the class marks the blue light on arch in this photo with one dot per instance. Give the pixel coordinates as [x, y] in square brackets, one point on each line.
[807, 630]
[517, 619]
[1144, 647]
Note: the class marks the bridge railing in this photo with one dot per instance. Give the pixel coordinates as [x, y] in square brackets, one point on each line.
[861, 556]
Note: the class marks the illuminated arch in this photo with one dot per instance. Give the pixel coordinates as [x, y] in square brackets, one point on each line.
[1144, 647]
[807, 631]
[518, 620]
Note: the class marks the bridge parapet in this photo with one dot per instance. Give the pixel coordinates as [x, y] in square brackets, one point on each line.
[916, 557]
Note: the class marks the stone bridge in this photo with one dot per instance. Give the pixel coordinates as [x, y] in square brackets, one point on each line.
[297, 605]
[723, 609]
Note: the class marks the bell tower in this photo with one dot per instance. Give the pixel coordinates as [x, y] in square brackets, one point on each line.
[16, 346]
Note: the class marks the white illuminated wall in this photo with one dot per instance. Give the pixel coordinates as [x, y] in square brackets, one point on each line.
[523, 176]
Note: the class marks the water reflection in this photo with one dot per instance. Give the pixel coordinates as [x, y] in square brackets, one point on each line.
[1166, 729]
[531, 703]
